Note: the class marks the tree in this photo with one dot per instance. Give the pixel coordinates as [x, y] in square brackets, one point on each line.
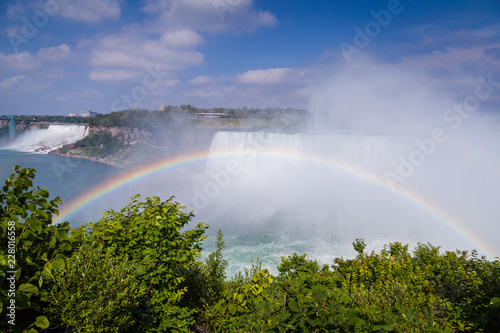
[133, 279]
[32, 247]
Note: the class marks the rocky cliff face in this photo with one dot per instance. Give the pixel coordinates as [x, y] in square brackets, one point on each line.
[129, 147]
[128, 135]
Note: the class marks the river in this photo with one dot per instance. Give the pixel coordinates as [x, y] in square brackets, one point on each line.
[64, 177]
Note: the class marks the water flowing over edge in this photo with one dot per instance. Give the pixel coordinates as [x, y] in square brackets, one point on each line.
[46, 140]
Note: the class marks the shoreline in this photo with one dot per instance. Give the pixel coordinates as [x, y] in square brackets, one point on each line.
[104, 160]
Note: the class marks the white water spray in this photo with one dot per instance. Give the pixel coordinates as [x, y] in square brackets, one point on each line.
[274, 194]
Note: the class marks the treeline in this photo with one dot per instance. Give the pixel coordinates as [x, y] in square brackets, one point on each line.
[132, 118]
[139, 270]
[171, 114]
[51, 119]
[244, 112]
[147, 119]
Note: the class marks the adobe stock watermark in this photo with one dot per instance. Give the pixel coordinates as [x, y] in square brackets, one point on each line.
[11, 272]
[152, 80]
[223, 6]
[39, 19]
[220, 179]
[454, 118]
[363, 36]
[66, 168]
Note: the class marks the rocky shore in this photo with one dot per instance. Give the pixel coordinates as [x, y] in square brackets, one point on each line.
[126, 147]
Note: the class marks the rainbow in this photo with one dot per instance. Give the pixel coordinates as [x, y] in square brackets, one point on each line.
[144, 171]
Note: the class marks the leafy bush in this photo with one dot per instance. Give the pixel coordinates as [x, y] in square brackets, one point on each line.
[97, 292]
[147, 253]
[390, 291]
[31, 246]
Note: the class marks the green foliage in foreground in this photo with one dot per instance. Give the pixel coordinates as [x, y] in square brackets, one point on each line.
[394, 290]
[128, 271]
[138, 270]
[40, 250]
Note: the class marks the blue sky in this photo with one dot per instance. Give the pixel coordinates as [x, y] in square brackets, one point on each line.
[62, 56]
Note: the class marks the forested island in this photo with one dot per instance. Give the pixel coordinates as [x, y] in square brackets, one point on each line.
[138, 269]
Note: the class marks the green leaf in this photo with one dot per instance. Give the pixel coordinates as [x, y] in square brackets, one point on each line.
[42, 322]
[22, 300]
[398, 305]
[52, 242]
[31, 206]
[385, 327]
[48, 272]
[62, 234]
[292, 304]
[58, 264]
[44, 193]
[28, 288]
[65, 246]
[35, 224]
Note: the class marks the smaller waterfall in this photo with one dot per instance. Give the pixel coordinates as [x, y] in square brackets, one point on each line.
[12, 128]
[49, 139]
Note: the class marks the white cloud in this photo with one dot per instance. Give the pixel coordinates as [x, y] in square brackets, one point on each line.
[91, 11]
[128, 56]
[268, 76]
[23, 61]
[427, 38]
[181, 39]
[101, 74]
[211, 92]
[492, 31]
[54, 53]
[267, 19]
[9, 82]
[207, 15]
[458, 68]
[170, 83]
[202, 79]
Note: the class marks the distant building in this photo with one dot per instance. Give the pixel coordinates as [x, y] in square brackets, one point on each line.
[88, 113]
[211, 115]
[162, 108]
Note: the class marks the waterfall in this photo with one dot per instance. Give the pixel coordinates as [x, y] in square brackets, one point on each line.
[45, 140]
[333, 179]
[274, 194]
[369, 152]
